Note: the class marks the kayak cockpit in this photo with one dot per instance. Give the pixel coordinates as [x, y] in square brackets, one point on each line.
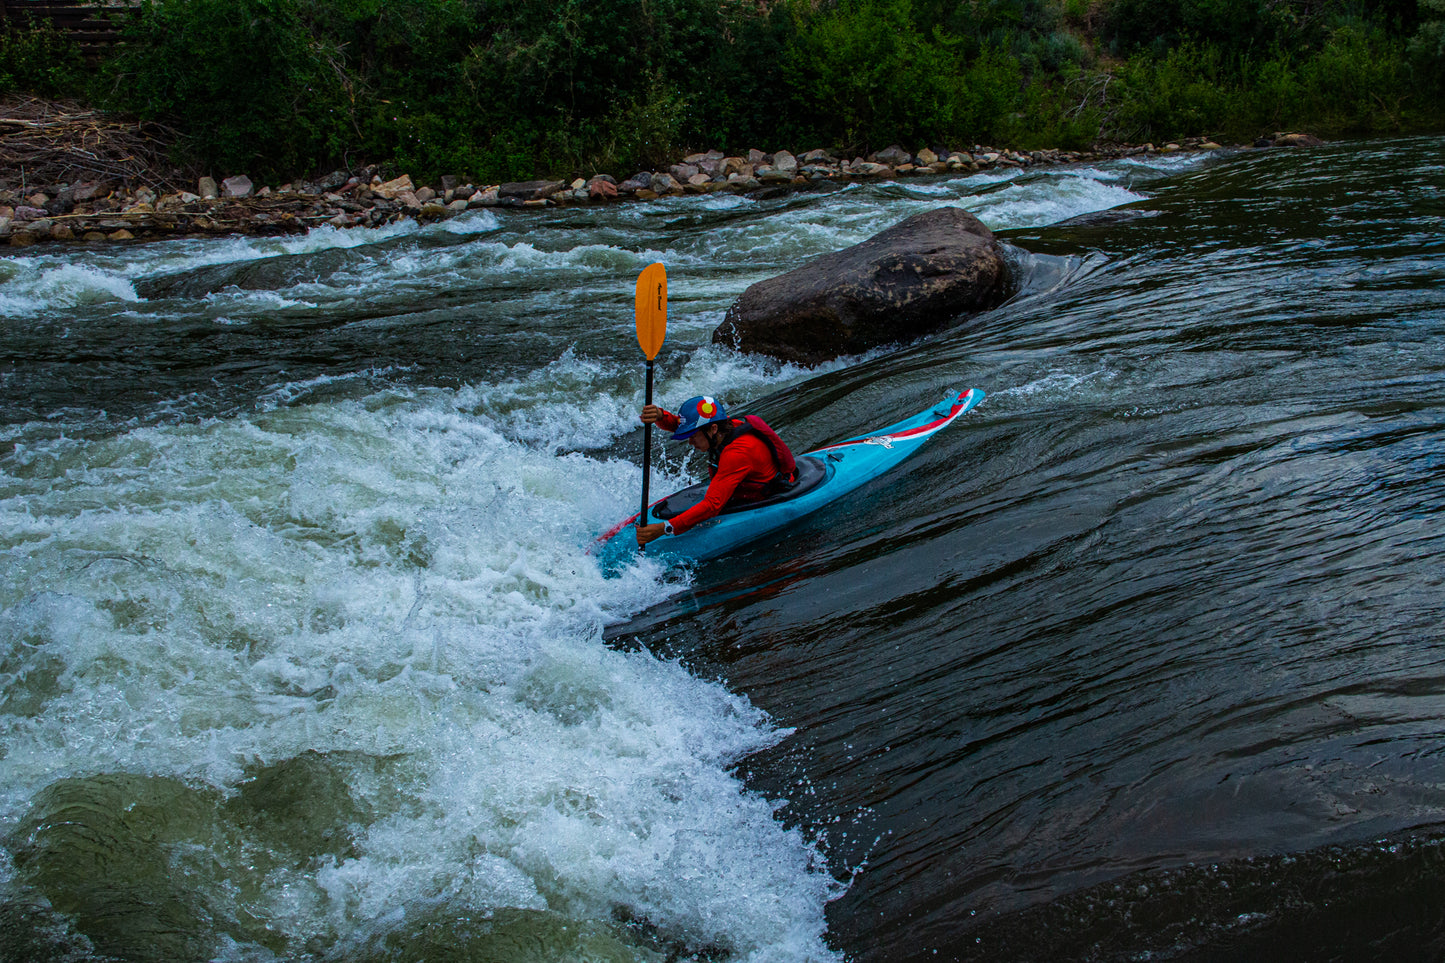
[812, 472]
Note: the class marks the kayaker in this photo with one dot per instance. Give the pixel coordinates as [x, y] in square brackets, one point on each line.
[747, 461]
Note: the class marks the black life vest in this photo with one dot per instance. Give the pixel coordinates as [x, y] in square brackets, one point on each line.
[787, 466]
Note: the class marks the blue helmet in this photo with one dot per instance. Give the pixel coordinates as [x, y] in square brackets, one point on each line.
[697, 413]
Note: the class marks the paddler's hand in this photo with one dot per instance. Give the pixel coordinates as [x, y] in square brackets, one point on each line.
[649, 533]
[650, 414]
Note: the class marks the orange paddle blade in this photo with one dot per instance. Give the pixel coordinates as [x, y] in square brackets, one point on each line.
[651, 309]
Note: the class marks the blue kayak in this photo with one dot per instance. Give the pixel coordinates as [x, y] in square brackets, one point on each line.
[824, 475]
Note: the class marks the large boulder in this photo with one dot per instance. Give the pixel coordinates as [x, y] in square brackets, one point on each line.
[908, 281]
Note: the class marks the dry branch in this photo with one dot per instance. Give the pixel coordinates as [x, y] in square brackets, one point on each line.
[45, 143]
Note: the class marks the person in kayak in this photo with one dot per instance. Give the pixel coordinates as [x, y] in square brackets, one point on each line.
[747, 461]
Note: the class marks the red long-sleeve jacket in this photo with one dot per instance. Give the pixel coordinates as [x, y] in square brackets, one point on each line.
[745, 469]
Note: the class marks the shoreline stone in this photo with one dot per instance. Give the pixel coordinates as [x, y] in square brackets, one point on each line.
[98, 211]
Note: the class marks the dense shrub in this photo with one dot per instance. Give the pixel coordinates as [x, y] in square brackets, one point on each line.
[867, 75]
[1427, 46]
[245, 79]
[1358, 83]
[38, 59]
[510, 89]
[1233, 26]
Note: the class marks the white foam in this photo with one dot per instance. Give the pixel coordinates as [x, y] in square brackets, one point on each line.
[579, 402]
[1060, 387]
[1039, 203]
[38, 284]
[391, 576]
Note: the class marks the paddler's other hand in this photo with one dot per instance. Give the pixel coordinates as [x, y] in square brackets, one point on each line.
[648, 533]
[650, 414]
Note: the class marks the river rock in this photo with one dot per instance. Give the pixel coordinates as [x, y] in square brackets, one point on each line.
[238, 186]
[1297, 140]
[395, 187]
[905, 282]
[710, 163]
[91, 190]
[702, 161]
[525, 191]
[892, 156]
[641, 181]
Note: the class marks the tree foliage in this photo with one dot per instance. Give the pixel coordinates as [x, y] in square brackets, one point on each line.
[509, 89]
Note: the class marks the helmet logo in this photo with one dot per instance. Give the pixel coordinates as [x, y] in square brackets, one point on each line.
[707, 408]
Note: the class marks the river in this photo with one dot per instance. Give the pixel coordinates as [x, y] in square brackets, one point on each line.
[303, 655]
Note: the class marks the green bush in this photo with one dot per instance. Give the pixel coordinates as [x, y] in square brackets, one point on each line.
[512, 89]
[1192, 89]
[859, 70]
[244, 79]
[872, 77]
[1232, 26]
[1427, 46]
[38, 59]
[1358, 82]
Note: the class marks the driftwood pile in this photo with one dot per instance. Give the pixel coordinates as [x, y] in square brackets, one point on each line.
[44, 142]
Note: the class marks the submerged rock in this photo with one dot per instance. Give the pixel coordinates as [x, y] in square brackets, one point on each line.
[905, 282]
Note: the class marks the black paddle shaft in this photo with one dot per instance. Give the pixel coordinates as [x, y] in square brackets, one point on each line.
[646, 457]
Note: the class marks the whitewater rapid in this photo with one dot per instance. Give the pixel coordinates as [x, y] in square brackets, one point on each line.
[266, 560]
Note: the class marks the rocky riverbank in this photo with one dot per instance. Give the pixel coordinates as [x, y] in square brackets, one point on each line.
[105, 210]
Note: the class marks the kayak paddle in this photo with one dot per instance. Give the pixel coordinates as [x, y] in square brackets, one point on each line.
[651, 329]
